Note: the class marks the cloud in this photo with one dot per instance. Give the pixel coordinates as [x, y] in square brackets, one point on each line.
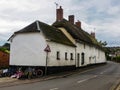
[104, 16]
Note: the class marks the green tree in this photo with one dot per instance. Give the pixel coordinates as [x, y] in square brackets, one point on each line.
[103, 43]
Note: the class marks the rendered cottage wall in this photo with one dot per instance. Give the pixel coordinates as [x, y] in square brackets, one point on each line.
[92, 55]
[28, 50]
[62, 49]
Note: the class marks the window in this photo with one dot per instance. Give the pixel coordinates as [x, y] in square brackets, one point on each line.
[82, 58]
[71, 56]
[66, 56]
[58, 55]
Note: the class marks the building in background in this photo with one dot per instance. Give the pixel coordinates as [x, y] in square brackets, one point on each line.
[4, 59]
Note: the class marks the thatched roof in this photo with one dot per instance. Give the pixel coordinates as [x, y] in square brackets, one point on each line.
[78, 33]
[51, 32]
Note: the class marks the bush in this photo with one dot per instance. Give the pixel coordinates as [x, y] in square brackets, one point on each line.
[4, 50]
[118, 59]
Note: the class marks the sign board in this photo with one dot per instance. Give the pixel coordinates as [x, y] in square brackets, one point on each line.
[47, 49]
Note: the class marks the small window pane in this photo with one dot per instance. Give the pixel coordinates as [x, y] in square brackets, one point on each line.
[71, 56]
[66, 56]
[58, 55]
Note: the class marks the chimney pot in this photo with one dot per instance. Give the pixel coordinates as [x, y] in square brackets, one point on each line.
[60, 7]
[71, 19]
[78, 23]
[59, 14]
[93, 34]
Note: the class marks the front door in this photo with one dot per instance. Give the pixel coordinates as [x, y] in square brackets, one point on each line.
[82, 58]
[78, 59]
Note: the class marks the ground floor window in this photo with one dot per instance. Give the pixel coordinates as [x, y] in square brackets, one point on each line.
[78, 59]
[82, 58]
[71, 56]
[58, 55]
[66, 58]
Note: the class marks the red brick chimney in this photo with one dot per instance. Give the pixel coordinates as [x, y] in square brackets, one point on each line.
[78, 23]
[59, 14]
[71, 19]
[93, 34]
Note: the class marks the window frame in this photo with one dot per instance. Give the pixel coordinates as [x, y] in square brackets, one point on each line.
[71, 56]
[66, 56]
[58, 55]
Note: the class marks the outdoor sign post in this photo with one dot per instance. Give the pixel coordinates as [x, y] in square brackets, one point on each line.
[47, 50]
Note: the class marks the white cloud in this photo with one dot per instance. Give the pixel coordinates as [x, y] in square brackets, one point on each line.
[114, 10]
[101, 15]
[8, 26]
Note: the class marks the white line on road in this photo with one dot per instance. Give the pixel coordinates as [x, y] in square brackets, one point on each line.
[54, 89]
[82, 81]
[103, 72]
[87, 79]
[95, 76]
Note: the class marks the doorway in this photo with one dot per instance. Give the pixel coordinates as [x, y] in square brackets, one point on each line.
[78, 59]
[82, 58]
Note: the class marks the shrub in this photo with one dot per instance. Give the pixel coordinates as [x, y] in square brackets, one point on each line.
[4, 50]
[118, 58]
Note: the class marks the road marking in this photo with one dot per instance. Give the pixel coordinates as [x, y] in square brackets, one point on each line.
[82, 81]
[54, 89]
[95, 76]
[103, 72]
[88, 70]
[87, 79]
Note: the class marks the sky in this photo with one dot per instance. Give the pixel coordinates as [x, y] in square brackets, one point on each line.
[99, 16]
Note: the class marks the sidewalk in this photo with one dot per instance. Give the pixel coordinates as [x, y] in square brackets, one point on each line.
[118, 87]
[7, 81]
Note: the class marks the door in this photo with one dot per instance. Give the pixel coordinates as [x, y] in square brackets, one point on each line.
[78, 59]
[82, 58]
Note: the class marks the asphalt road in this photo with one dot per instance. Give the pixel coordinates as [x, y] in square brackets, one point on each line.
[100, 78]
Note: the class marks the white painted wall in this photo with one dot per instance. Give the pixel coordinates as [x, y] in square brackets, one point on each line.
[101, 56]
[52, 61]
[80, 49]
[28, 49]
[92, 54]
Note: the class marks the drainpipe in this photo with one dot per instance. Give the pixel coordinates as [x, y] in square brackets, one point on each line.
[76, 55]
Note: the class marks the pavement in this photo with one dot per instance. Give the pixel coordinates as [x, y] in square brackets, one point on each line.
[7, 81]
[118, 86]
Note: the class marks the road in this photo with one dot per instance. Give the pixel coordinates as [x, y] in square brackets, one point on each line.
[99, 78]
